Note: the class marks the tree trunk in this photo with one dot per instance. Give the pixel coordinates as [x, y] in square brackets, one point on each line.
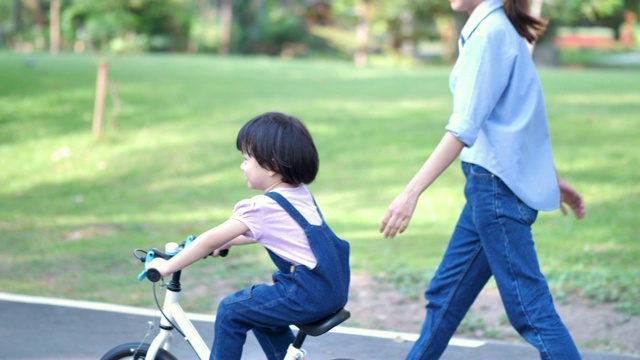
[407, 47]
[360, 57]
[226, 17]
[54, 27]
[536, 7]
[35, 6]
[535, 11]
[17, 16]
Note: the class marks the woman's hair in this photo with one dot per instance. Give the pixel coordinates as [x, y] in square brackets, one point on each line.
[529, 27]
[281, 143]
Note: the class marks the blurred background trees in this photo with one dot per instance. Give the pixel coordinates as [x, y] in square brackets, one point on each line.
[410, 29]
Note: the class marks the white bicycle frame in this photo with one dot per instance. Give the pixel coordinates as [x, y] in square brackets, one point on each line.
[173, 313]
[176, 315]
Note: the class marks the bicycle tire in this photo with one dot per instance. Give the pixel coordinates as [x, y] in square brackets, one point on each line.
[126, 351]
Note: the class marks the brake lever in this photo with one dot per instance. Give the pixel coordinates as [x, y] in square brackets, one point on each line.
[150, 256]
[137, 252]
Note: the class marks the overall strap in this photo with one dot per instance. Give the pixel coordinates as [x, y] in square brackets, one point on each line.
[317, 208]
[286, 205]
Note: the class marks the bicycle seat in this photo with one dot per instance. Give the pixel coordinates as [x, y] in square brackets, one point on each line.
[321, 326]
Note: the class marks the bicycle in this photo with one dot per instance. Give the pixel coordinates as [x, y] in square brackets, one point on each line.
[173, 317]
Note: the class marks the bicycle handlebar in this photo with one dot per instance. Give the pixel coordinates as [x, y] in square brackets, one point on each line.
[153, 274]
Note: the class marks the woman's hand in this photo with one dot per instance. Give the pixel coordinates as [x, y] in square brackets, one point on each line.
[571, 197]
[398, 215]
[402, 207]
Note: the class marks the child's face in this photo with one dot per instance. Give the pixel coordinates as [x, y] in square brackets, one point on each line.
[258, 178]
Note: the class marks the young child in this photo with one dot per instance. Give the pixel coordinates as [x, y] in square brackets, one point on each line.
[499, 129]
[313, 278]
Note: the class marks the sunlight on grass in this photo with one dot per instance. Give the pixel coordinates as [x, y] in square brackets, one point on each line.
[72, 206]
[602, 99]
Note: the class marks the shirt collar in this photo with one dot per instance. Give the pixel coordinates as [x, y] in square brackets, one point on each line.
[479, 13]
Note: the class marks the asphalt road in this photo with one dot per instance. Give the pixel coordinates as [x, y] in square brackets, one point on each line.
[34, 328]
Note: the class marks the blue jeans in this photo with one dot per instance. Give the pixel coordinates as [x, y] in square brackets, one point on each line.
[492, 237]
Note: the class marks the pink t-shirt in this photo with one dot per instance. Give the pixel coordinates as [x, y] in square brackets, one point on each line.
[270, 225]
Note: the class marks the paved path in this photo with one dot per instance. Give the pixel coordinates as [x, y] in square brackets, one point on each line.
[34, 328]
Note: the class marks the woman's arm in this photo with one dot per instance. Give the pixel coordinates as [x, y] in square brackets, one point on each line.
[204, 244]
[401, 209]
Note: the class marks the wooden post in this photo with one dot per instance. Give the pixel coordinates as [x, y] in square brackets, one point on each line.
[54, 27]
[101, 91]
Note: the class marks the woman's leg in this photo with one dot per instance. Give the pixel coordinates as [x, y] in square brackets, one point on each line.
[504, 224]
[459, 279]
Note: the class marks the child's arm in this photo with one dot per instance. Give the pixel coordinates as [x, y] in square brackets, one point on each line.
[240, 240]
[204, 244]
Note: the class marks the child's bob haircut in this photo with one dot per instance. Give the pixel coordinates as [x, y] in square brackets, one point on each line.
[281, 143]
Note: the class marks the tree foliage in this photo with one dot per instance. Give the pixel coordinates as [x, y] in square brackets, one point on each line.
[257, 26]
[268, 26]
[143, 24]
[571, 11]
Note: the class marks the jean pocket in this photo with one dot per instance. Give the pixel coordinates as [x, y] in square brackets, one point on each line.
[529, 215]
[240, 295]
[478, 171]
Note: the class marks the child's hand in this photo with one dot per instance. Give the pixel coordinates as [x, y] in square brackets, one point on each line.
[161, 265]
[220, 252]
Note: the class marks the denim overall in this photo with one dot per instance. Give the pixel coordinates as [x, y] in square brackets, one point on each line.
[298, 295]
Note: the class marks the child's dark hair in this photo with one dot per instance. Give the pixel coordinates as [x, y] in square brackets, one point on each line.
[281, 143]
[529, 27]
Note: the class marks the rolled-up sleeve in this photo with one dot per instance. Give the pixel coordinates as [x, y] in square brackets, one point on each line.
[478, 80]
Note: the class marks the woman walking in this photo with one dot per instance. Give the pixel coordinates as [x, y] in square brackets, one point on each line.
[499, 129]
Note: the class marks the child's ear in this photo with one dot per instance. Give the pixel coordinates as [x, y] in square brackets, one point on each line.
[273, 172]
[275, 175]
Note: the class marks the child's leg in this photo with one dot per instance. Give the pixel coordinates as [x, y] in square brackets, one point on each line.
[274, 340]
[261, 308]
[230, 331]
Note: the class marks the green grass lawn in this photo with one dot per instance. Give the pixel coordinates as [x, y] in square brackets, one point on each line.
[73, 208]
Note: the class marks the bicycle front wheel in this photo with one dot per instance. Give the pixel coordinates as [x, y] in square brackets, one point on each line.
[135, 351]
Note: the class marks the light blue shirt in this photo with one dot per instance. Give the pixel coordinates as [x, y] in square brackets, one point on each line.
[498, 108]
